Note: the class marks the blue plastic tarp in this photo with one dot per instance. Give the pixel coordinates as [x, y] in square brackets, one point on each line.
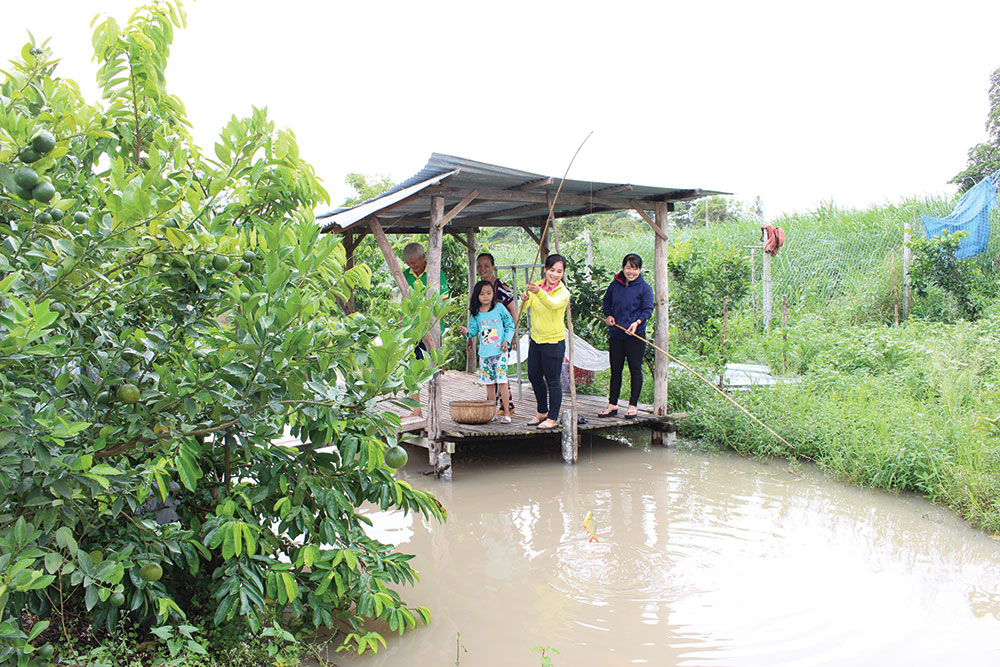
[972, 215]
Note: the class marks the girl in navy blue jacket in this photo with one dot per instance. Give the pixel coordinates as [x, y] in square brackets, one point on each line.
[628, 302]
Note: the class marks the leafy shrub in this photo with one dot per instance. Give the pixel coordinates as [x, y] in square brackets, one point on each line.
[700, 279]
[176, 316]
[934, 265]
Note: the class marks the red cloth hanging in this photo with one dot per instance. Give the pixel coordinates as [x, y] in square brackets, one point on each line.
[772, 238]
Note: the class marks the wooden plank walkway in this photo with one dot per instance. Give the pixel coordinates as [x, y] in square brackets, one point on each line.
[461, 386]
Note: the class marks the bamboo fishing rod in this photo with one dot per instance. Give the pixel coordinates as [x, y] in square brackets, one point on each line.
[574, 417]
[699, 376]
[552, 207]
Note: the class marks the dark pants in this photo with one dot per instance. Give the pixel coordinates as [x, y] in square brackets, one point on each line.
[620, 349]
[545, 373]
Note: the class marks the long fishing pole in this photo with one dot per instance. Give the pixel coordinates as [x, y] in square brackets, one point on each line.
[697, 375]
[569, 312]
[552, 207]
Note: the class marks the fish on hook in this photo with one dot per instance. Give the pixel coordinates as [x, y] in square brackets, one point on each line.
[590, 525]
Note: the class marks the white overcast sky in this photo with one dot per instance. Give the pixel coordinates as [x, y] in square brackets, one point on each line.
[855, 102]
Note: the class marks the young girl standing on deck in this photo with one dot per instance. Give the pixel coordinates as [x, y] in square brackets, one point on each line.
[495, 328]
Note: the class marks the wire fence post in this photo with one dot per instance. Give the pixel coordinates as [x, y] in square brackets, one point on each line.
[765, 279]
[906, 270]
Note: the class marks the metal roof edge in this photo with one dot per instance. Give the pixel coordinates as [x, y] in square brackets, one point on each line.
[345, 217]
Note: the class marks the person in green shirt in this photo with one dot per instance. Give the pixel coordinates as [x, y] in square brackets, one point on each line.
[415, 259]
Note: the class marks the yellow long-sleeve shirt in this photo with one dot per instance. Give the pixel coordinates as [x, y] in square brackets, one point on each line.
[548, 313]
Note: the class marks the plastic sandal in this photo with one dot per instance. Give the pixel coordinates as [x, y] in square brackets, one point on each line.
[608, 413]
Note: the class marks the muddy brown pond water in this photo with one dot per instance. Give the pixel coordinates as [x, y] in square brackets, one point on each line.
[701, 559]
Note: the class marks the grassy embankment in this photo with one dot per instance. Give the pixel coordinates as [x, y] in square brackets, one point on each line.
[908, 407]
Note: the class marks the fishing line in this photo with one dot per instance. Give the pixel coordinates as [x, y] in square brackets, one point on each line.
[710, 384]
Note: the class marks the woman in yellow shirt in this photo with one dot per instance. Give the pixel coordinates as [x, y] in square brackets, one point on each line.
[546, 300]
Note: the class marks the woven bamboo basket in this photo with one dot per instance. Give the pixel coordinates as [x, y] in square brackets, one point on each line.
[472, 412]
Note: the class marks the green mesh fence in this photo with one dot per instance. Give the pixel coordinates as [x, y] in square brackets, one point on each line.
[829, 254]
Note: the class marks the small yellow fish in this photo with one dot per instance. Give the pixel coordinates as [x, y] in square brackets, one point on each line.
[590, 525]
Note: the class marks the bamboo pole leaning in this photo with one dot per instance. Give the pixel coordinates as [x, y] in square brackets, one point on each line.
[571, 449]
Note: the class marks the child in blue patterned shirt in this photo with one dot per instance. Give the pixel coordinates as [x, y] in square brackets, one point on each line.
[494, 326]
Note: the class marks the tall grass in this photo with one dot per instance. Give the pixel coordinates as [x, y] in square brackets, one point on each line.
[913, 406]
[903, 409]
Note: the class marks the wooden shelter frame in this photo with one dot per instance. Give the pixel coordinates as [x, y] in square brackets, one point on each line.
[445, 202]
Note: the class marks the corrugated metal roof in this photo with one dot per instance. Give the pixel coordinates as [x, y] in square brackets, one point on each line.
[507, 197]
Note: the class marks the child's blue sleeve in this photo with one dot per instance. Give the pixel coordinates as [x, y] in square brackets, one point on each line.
[473, 327]
[508, 324]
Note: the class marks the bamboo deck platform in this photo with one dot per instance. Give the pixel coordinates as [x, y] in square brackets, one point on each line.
[461, 386]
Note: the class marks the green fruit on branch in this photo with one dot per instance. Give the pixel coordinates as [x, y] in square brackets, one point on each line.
[245, 296]
[245, 266]
[43, 142]
[117, 599]
[81, 217]
[43, 192]
[395, 457]
[56, 213]
[23, 193]
[28, 155]
[128, 393]
[26, 177]
[249, 256]
[151, 572]
[220, 263]
[44, 218]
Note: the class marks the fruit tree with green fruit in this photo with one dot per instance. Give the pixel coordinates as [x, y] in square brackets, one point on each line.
[164, 316]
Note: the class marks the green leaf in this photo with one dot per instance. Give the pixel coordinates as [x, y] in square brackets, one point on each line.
[290, 587]
[237, 538]
[37, 629]
[64, 538]
[53, 561]
[7, 178]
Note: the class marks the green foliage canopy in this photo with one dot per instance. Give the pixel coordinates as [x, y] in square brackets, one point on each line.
[984, 159]
[164, 317]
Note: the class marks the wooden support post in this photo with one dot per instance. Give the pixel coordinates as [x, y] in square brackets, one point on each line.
[662, 294]
[532, 234]
[588, 241]
[766, 298]
[393, 264]
[351, 243]
[784, 334]
[434, 244]
[649, 221]
[568, 418]
[570, 448]
[906, 270]
[656, 434]
[390, 258]
[725, 323]
[753, 284]
[471, 363]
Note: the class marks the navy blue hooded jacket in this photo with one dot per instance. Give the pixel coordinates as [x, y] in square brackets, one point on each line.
[628, 302]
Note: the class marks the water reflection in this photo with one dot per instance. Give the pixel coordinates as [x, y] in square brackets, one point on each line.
[701, 560]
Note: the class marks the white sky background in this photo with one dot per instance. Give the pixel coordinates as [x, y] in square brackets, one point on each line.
[851, 102]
